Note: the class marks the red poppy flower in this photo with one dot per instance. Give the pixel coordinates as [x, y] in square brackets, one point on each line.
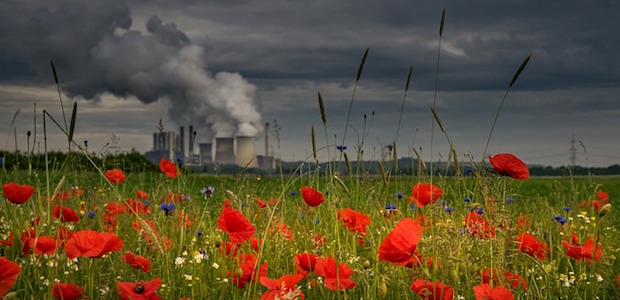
[529, 244]
[477, 225]
[261, 203]
[137, 261]
[77, 192]
[585, 252]
[238, 227]
[284, 231]
[318, 240]
[17, 193]
[40, 245]
[8, 241]
[8, 274]
[137, 207]
[255, 243]
[515, 280]
[115, 176]
[486, 292]
[425, 193]
[600, 195]
[249, 269]
[89, 243]
[311, 196]
[67, 291]
[139, 290]
[334, 279]
[523, 222]
[305, 262]
[63, 235]
[509, 165]
[65, 214]
[353, 220]
[399, 247]
[282, 288]
[228, 249]
[142, 194]
[115, 208]
[432, 290]
[169, 168]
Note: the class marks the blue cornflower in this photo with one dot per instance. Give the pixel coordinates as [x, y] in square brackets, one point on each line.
[479, 211]
[390, 207]
[467, 200]
[91, 214]
[567, 208]
[443, 202]
[208, 191]
[469, 171]
[510, 200]
[292, 193]
[1, 159]
[557, 218]
[86, 143]
[449, 209]
[562, 220]
[399, 195]
[341, 147]
[167, 208]
[413, 206]
[179, 160]
[198, 233]
[146, 202]
[317, 221]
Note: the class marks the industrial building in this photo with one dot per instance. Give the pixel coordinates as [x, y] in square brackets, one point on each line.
[238, 150]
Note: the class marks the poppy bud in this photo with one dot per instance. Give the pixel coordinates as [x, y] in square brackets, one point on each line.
[239, 272]
[604, 210]
[382, 288]
[366, 264]
[11, 295]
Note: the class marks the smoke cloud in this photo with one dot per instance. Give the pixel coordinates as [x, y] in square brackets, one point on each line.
[110, 57]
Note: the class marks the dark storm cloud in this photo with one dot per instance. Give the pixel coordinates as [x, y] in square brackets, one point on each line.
[290, 50]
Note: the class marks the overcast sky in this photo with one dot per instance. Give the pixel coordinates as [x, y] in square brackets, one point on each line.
[220, 64]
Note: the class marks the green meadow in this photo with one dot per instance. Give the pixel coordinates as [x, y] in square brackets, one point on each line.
[196, 265]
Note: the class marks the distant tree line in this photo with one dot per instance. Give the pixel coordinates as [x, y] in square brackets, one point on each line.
[130, 162]
[134, 161]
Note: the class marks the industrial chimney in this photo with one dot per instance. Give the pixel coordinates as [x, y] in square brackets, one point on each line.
[246, 153]
[182, 142]
[191, 137]
[225, 150]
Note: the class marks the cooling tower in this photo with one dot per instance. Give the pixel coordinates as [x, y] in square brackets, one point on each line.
[225, 150]
[206, 155]
[182, 142]
[246, 153]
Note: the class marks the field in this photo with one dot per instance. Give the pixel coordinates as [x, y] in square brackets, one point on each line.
[193, 245]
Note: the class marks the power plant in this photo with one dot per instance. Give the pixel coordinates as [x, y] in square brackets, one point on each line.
[239, 150]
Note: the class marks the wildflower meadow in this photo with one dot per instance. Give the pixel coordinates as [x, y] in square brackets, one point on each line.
[77, 230]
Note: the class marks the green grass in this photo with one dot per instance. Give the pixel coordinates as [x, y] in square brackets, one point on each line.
[460, 255]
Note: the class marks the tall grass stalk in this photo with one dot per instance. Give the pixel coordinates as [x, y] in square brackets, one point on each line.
[514, 79]
[357, 80]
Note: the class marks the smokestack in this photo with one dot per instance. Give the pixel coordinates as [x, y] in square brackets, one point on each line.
[182, 141]
[190, 134]
[206, 155]
[225, 150]
[266, 139]
[246, 153]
